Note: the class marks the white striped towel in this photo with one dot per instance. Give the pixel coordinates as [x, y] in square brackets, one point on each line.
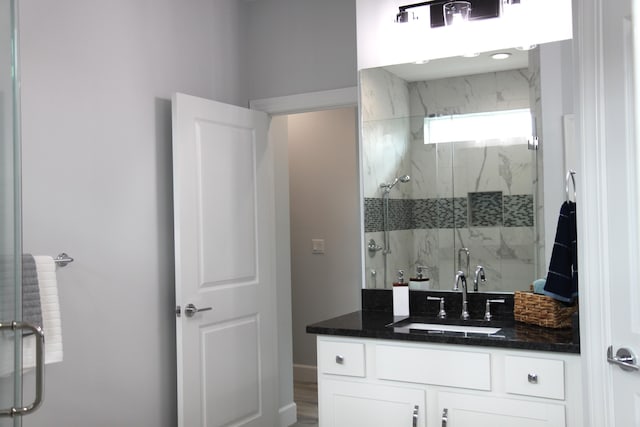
[51, 323]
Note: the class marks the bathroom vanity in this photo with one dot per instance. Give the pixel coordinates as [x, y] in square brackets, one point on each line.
[373, 374]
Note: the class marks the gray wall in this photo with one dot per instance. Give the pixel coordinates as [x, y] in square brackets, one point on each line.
[324, 201]
[97, 79]
[299, 46]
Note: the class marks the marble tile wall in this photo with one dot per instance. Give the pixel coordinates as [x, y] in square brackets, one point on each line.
[535, 94]
[492, 178]
[386, 154]
[453, 186]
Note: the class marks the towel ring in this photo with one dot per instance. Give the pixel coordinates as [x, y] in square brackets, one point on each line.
[570, 174]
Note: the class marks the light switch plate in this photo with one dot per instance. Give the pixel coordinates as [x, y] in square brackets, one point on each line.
[318, 246]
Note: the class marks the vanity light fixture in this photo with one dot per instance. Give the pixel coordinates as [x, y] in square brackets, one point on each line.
[501, 55]
[457, 11]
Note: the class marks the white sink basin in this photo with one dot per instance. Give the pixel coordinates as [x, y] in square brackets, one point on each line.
[451, 328]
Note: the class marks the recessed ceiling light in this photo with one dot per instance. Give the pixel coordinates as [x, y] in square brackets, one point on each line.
[501, 55]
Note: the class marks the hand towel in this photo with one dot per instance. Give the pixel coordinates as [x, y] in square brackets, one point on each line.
[538, 286]
[51, 319]
[562, 278]
[31, 307]
[49, 308]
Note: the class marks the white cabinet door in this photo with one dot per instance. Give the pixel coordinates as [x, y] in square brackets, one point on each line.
[351, 404]
[466, 410]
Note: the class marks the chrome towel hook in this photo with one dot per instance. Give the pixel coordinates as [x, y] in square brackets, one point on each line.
[570, 175]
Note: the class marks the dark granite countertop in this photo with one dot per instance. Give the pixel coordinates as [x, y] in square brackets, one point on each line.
[373, 324]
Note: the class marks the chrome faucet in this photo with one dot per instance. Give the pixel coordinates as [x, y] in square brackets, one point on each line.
[461, 278]
[468, 264]
[478, 275]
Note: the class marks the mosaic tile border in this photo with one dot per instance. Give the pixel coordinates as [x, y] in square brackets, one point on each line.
[479, 209]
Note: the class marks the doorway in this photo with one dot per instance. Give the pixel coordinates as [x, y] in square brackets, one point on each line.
[324, 217]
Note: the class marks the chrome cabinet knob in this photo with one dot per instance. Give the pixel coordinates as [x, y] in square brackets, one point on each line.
[190, 310]
[339, 359]
[532, 378]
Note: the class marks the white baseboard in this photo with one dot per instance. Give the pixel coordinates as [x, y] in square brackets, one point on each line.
[305, 373]
[288, 415]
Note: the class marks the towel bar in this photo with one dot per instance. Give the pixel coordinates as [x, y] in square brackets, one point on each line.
[63, 259]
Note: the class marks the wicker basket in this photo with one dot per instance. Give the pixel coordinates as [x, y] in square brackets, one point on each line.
[542, 310]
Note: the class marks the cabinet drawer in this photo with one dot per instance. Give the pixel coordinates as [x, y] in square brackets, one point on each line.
[464, 369]
[534, 377]
[341, 358]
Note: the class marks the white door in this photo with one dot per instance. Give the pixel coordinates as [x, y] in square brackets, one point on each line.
[225, 265]
[608, 207]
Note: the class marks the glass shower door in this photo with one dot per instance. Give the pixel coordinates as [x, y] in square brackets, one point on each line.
[10, 235]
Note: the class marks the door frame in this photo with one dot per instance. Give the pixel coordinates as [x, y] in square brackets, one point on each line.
[284, 105]
[594, 247]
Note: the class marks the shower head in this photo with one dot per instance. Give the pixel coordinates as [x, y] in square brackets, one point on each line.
[388, 187]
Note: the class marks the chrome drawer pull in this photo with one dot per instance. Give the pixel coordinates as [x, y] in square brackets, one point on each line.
[415, 416]
[445, 417]
[533, 378]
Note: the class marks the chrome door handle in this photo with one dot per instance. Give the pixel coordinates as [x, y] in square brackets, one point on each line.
[445, 417]
[190, 310]
[416, 409]
[623, 358]
[39, 336]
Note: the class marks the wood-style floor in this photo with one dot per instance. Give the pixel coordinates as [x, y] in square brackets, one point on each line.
[306, 397]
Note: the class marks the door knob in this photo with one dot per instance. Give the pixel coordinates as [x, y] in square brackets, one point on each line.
[623, 358]
[190, 310]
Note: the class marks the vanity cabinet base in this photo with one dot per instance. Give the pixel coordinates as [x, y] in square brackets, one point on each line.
[362, 385]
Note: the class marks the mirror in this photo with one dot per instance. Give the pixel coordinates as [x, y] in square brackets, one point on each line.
[442, 194]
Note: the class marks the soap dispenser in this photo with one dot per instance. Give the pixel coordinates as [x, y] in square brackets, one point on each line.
[400, 296]
[420, 282]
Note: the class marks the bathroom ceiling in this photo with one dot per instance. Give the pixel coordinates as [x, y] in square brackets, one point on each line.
[460, 66]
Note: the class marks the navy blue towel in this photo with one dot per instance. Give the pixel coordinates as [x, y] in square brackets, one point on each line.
[562, 279]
